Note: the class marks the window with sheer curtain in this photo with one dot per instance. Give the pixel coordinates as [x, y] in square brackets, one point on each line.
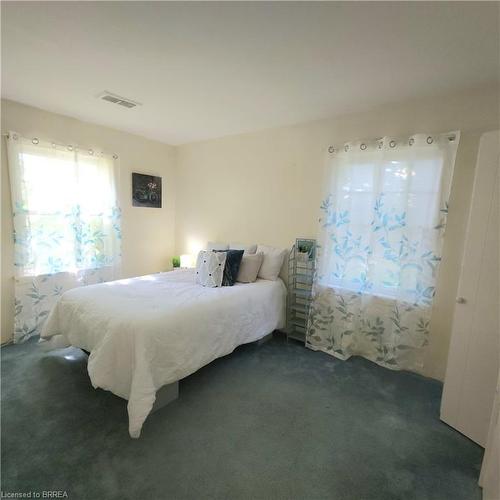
[380, 215]
[66, 224]
[381, 227]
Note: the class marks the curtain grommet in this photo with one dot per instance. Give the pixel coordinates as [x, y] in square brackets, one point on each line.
[362, 146]
[70, 147]
[380, 144]
[115, 157]
[392, 144]
[35, 141]
[331, 149]
[411, 142]
[430, 140]
[346, 148]
[91, 152]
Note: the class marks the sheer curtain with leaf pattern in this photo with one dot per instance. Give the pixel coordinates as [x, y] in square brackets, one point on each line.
[66, 224]
[382, 222]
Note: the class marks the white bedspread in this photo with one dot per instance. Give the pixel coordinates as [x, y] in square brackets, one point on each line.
[145, 332]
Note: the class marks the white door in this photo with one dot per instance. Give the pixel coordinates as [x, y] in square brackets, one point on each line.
[472, 369]
[490, 476]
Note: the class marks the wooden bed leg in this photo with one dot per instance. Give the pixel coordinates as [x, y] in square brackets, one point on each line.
[165, 395]
[269, 336]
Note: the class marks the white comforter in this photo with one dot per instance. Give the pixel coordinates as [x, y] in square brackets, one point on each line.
[143, 333]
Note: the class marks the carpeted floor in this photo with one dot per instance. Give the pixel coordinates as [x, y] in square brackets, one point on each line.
[276, 421]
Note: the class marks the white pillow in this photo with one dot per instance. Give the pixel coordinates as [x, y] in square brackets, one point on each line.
[210, 268]
[272, 262]
[249, 267]
[248, 249]
[214, 245]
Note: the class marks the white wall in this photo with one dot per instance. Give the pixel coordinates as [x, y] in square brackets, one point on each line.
[265, 187]
[148, 233]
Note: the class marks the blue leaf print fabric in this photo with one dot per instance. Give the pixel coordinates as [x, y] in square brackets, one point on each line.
[67, 225]
[380, 231]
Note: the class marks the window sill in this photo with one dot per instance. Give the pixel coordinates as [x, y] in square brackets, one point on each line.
[375, 295]
[30, 277]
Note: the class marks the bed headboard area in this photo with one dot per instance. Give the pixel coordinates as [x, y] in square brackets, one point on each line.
[253, 248]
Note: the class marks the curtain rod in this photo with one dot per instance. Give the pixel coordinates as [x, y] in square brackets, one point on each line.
[70, 147]
[451, 136]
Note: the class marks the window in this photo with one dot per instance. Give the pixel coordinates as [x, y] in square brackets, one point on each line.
[66, 225]
[382, 216]
[66, 217]
[380, 242]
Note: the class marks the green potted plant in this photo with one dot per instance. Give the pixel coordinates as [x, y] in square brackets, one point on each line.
[305, 250]
[176, 262]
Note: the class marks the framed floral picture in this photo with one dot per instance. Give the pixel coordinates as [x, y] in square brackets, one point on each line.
[146, 190]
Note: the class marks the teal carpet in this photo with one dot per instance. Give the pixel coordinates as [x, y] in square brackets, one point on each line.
[272, 422]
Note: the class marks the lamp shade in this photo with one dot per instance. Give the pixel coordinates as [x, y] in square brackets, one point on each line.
[186, 260]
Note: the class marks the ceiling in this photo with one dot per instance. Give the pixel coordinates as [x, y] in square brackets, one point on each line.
[208, 69]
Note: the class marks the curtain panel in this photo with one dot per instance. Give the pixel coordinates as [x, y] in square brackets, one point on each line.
[381, 228]
[67, 230]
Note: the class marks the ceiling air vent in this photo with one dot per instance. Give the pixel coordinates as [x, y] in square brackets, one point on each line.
[116, 99]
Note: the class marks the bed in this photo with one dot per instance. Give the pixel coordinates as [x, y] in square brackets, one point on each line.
[149, 332]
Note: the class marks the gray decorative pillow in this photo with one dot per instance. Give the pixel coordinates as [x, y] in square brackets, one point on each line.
[210, 268]
[233, 261]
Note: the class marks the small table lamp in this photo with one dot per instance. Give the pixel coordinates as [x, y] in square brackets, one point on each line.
[186, 260]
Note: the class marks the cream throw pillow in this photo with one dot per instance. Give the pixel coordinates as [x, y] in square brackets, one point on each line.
[249, 267]
[271, 263]
[246, 248]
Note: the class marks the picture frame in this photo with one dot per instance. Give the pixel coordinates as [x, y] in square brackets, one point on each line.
[146, 190]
